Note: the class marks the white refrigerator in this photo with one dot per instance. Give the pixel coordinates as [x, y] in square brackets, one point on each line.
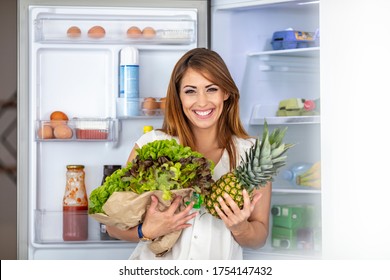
[80, 76]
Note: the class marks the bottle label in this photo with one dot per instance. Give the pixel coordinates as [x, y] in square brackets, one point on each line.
[129, 81]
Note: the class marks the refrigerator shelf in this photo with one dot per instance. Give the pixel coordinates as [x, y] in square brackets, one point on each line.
[147, 107]
[302, 52]
[295, 191]
[76, 129]
[49, 225]
[115, 29]
[267, 252]
[260, 113]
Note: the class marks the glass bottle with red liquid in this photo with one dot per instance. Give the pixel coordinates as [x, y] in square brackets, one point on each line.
[75, 205]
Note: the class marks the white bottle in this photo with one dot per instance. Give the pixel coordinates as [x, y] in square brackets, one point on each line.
[129, 81]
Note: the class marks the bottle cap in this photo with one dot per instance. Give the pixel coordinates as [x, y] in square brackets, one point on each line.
[148, 128]
[109, 169]
[75, 166]
[129, 56]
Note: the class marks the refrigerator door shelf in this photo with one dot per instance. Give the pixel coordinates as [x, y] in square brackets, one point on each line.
[260, 113]
[49, 226]
[77, 129]
[139, 30]
[153, 107]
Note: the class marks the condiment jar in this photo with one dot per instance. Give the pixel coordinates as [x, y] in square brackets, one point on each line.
[75, 205]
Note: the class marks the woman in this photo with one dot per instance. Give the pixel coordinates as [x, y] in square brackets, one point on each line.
[202, 112]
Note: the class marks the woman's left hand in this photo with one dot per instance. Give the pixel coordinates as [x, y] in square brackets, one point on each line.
[235, 218]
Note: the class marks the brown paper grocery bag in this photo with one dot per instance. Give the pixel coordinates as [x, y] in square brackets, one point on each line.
[127, 209]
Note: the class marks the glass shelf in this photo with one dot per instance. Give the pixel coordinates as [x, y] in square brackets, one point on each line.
[295, 191]
[301, 52]
[261, 113]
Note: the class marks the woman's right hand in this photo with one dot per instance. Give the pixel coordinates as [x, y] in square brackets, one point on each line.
[158, 223]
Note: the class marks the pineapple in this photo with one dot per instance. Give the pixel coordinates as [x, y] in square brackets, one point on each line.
[260, 165]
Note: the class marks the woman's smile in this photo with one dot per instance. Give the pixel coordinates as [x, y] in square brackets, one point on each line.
[204, 113]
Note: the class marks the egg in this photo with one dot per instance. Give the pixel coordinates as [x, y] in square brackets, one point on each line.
[150, 106]
[73, 32]
[148, 32]
[163, 101]
[59, 116]
[63, 131]
[45, 132]
[96, 32]
[134, 32]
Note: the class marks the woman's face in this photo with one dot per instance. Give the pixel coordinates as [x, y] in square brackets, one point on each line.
[201, 99]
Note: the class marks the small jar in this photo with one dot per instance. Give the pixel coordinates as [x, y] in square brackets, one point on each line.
[75, 205]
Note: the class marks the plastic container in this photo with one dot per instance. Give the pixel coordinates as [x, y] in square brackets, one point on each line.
[92, 128]
[75, 205]
[292, 216]
[292, 39]
[129, 81]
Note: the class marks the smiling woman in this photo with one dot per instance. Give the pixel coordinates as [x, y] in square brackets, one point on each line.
[202, 113]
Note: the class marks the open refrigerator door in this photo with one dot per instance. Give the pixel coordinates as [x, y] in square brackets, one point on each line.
[71, 111]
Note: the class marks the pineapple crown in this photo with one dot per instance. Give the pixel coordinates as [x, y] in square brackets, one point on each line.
[263, 159]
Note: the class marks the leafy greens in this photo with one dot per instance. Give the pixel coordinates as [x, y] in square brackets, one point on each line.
[159, 165]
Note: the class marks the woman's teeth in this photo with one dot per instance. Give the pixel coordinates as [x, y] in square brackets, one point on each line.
[203, 113]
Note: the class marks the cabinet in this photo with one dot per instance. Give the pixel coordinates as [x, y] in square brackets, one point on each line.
[265, 77]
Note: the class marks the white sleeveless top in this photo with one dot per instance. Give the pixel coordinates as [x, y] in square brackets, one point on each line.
[207, 238]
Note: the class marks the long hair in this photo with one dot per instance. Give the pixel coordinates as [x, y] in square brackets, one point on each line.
[211, 66]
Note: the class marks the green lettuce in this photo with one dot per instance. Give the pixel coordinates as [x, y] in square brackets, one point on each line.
[159, 165]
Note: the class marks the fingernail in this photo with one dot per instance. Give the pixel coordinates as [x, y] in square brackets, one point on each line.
[219, 199]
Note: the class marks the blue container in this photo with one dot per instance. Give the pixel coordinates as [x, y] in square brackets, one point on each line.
[291, 39]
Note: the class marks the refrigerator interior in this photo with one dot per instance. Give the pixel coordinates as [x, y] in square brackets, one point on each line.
[79, 76]
[265, 77]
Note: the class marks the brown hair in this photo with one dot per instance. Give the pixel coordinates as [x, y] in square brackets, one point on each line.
[212, 66]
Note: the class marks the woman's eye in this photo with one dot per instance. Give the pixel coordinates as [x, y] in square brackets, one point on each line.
[189, 91]
[212, 89]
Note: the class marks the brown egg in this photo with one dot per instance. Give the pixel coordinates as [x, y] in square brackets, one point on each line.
[150, 106]
[96, 32]
[73, 32]
[134, 32]
[45, 132]
[163, 101]
[63, 131]
[148, 32]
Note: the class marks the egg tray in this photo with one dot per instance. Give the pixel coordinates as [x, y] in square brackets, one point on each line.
[74, 130]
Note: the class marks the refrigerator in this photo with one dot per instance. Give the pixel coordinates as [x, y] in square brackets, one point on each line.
[80, 76]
